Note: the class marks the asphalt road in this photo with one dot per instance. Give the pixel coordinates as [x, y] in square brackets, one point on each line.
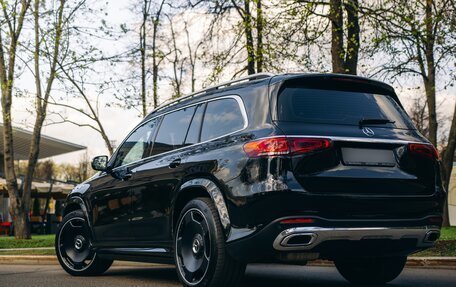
[256, 275]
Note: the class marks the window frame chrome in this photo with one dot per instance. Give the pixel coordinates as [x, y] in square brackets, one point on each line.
[237, 98]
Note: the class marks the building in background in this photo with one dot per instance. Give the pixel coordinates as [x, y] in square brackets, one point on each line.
[46, 196]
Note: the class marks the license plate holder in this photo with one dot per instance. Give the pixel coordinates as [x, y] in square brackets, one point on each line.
[368, 157]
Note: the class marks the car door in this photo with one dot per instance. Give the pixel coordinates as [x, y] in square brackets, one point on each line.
[164, 172]
[110, 195]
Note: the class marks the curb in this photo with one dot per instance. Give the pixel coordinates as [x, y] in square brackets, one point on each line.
[28, 259]
[52, 260]
[423, 262]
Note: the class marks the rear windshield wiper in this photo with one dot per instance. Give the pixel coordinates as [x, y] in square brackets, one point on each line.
[363, 122]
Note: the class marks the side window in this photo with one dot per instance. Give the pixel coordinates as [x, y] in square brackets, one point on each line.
[222, 117]
[195, 127]
[136, 145]
[172, 131]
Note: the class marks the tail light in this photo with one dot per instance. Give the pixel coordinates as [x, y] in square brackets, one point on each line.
[297, 221]
[285, 146]
[425, 150]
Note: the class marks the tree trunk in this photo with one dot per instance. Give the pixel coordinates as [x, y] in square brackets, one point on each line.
[429, 86]
[447, 163]
[21, 224]
[353, 30]
[431, 73]
[249, 38]
[142, 48]
[17, 209]
[337, 36]
[40, 99]
[260, 26]
[155, 63]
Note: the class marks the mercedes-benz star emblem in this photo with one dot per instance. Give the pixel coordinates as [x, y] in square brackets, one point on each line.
[368, 132]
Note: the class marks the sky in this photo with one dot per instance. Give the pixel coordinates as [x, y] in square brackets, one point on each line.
[119, 122]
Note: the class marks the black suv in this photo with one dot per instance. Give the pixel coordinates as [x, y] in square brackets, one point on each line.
[268, 168]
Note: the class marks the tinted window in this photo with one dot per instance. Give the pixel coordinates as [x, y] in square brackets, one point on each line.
[221, 117]
[338, 107]
[195, 126]
[172, 131]
[135, 146]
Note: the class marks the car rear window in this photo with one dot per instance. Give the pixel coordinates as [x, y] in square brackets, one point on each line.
[296, 104]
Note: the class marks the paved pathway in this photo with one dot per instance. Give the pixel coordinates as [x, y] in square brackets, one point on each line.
[256, 275]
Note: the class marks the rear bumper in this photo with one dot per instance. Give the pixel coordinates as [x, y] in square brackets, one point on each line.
[307, 238]
[284, 242]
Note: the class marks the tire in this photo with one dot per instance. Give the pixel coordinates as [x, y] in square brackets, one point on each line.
[200, 253]
[379, 270]
[73, 247]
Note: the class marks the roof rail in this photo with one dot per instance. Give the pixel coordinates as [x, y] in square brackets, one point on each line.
[253, 77]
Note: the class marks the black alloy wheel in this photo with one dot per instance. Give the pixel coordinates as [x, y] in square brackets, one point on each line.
[193, 246]
[200, 253]
[74, 247]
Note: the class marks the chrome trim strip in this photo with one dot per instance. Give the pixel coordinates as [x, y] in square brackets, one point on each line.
[348, 139]
[235, 97]
[323, 234]
[134, 250]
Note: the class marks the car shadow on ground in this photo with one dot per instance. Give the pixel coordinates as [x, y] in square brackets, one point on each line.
[261, 275]
[264, 276]
[155, 274]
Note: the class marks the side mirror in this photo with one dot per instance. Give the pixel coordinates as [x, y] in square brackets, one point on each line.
[100, 163]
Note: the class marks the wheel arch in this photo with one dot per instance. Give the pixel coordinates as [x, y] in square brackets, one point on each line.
[75, 203]
[201, 187]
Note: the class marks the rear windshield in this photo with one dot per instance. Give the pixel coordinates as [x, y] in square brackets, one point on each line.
[297, 104]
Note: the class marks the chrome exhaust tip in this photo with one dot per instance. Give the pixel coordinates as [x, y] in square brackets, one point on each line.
[299, 239]
[432, 236]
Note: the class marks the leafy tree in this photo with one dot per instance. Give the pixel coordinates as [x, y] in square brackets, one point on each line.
[12, 18]
[419, 40]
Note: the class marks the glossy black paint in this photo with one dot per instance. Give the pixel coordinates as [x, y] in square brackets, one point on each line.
[134, 206]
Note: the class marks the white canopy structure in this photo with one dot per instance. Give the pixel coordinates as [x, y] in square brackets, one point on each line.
[48, 147]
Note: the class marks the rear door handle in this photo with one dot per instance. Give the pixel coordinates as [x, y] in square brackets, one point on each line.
[175, 163]
[126, 174]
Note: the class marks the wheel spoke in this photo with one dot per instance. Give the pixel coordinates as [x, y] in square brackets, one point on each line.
[195, 216]
[189, 276]
[78, 265]
[179, 244]
[204, 228]
[188, 218]
[204, 264]
[77, 223]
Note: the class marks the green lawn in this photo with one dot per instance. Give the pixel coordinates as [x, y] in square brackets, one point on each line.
[36, 241]
[448, 233]
[446, 246]
[29, 252]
